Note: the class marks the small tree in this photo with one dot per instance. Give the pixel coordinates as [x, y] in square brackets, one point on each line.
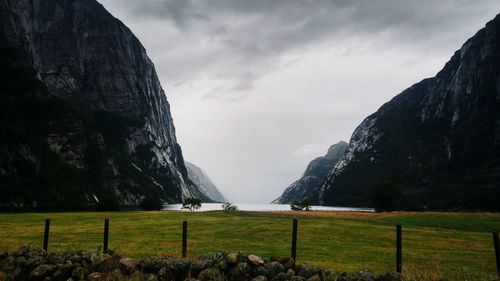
[301, 205]
[191, 204]
[229, 207]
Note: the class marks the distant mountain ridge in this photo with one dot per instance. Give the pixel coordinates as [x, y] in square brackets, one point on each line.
[314, 175]
[204, 183]
[434, 146]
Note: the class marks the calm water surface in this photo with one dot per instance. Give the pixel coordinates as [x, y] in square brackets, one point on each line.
[262, 207]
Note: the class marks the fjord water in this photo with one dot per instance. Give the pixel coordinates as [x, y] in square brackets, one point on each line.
[263, 207]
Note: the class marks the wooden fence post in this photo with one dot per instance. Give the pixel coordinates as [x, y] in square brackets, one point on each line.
[46, 234]
[497, 251]
[294, 239]
[398, 249]
[184, 238]
[106, 236]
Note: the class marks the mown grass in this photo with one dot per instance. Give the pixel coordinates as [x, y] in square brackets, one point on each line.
[452, 245]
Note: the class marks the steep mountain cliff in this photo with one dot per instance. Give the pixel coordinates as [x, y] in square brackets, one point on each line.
[204, 183]
[314, 175]
[84, 118]
[436, 145]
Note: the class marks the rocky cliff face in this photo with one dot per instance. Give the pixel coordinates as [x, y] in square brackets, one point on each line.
[436, 145]
[102, 111]
[204, 183]
[314, 175]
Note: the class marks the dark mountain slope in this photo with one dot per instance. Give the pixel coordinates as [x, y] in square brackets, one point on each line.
[436, 145]
[314, 175]
[84, 119]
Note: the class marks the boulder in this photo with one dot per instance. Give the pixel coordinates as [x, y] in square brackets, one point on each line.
[150, 277]
[260, 271]
[197, 267]
[128, 265]
[75, 259]
[308, 271]
[79, 273]
[64, 272]
[287, 262]
[281, 277]
[94, 276]
[165, 274]
[211, 274]
[151, 264]
[241, 272]
[180, 269]
[55, 259]
[42, 271]
[315, 277]
[260, 278]
[255, 260]
[233, 258]
[274, 268]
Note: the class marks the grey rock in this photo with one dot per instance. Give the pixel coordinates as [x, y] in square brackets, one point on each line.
[297, 278]
[150, 277]
[315, 277]
[287, 262]
[180, 269]
[165, 274]
[128, 265]
[55, 259]
[233, 258]
[307, 271]
[197, 267]
[281, 277]
[151, 264]
[255, 260]
[241, 272]
[75, 259]
[94, 276]
[274, 268]
[261, 271]
[22, 251]
[79, 273]
[64, 272]
[42, 271]
[260, 278]
[211, 274]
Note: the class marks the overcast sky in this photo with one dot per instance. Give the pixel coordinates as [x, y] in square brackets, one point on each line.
[258, 88]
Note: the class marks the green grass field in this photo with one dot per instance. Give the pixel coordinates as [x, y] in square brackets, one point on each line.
[452, 245]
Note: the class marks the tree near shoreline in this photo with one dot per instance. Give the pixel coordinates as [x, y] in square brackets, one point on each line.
[301, 205]
[191, 204]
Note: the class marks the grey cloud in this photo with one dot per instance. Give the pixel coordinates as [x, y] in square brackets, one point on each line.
[256, 33]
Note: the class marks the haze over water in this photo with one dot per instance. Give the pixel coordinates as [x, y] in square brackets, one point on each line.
[262, 207]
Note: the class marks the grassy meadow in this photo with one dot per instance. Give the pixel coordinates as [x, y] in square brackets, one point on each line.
[453, 245]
